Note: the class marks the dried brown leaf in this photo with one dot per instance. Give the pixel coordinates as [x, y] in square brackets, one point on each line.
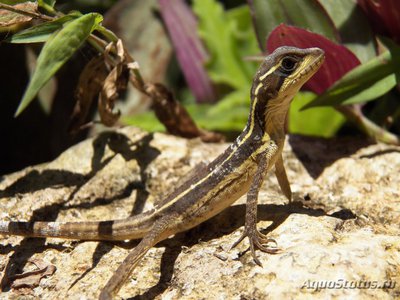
[108, 96]
[10, 18]
[116, 59]
[105, 77]
[115, 83]
[31, 279]
[168, 110]
[90, 84]
[175, 117]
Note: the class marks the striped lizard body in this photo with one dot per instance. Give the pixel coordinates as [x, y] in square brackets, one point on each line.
[239, 170]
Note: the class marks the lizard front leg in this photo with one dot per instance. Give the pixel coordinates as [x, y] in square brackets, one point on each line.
[256, 238]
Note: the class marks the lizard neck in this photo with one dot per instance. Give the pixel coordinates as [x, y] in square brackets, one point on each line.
[267, 119]
[275, 118]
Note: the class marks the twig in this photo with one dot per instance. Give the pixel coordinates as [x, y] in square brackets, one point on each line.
[354, 114]
[26, 13]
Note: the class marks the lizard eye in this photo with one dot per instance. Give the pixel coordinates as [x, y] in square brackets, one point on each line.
[288, 64]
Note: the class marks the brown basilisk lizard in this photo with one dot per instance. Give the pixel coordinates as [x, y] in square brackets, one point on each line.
[240, 169]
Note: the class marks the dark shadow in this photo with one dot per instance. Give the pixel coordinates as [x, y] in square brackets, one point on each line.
[24, 140]
[344, 214]
[173, 248]
[350, 33]
[144, 154]
[136, 185]
[25, 250]
[226, 222]
[100, 251]
[36, 180]
[318, 153]
[33, 242]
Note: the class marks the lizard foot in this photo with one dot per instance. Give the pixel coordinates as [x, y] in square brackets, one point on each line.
[258, 241]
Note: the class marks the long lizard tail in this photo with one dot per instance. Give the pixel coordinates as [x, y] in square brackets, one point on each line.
[125, 229]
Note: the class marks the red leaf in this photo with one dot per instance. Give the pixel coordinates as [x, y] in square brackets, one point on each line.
[384, 16]
[338, 59]
[182, 28]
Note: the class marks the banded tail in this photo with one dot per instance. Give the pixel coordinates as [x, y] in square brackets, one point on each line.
[115, 230]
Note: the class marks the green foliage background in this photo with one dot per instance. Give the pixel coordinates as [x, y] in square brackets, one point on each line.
[230, 38]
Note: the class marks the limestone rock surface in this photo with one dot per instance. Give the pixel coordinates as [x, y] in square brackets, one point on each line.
[339, 238]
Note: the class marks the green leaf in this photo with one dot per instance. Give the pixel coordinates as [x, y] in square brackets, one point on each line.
[56, 51]
[229, 117]
[13, 2]
[301, 13]
[147, 121]
[353, 26]
[232, 100]
[245, 38]
[48, 6]
[230, 113]
[224, 35]
[365, 82]
[41, 33]
[321, 121]
[309, 15]
[232, 120]
[44, 3]
[229, 37]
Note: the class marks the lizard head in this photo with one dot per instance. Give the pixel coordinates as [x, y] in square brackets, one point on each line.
[284, 71]
[279, 78]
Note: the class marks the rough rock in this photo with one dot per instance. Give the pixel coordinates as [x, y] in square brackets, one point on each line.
[339, 235]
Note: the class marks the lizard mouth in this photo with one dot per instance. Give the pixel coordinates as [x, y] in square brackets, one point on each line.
[317, 60]
[316, 64]
[313, 67]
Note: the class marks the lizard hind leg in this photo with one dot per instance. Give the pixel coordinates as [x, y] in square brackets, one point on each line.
[122, 273]
[258, 240]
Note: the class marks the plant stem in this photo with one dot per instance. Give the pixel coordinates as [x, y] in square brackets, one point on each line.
[49, 9]
[108, 34]
[24, 12]
[354, 114]
[97, 43]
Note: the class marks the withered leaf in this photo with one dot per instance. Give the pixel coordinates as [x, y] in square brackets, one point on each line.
[108, 76]
[105, 77]
[175, 117]
[114, 84]
[89, 86]
[9, 18]
[32, 279]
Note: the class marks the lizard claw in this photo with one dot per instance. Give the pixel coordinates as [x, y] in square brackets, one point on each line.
[257, 241]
